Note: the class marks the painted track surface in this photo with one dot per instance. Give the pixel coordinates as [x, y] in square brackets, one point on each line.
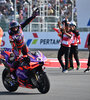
[83, 54]
[53, 62]
[74, 85]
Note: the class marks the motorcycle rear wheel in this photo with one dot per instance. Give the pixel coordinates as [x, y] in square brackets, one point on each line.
[6, 84]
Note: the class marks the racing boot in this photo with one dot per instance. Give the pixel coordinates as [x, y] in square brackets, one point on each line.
[70, 68]
[86, 70]
[78, 67]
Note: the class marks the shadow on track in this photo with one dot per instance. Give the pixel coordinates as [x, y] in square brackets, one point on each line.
[17, 93]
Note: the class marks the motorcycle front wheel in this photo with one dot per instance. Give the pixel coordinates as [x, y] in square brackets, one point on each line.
[43, 83]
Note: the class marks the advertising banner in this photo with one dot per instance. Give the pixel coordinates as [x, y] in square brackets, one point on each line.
[83, 36]
[36, 40]
[42, 40]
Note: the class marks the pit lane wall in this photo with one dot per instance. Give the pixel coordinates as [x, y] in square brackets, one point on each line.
[42, 40]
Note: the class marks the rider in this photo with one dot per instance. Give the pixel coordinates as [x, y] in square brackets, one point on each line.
[16, 38]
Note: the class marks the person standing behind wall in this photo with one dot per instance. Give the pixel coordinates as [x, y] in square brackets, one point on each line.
[74, 46]
[88, 45]
[66, 39]
[1, 35]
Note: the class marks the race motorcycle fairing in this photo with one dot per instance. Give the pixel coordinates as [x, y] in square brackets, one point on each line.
[29, 73]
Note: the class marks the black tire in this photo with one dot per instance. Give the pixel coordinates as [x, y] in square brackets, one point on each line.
[6, 84]
[43, 83]
[0, 61]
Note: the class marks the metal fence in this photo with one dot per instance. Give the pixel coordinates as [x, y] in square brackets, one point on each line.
[50, 12]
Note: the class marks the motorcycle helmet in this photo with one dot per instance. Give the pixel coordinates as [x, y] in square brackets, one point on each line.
[13, 25]
[73, 23]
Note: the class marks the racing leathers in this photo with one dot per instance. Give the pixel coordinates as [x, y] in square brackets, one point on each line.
[17, 39]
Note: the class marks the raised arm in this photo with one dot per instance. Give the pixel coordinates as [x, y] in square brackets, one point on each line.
[28, 20]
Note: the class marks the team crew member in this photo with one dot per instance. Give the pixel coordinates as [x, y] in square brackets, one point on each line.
[74, 46]
[88, 64]
[66, 39]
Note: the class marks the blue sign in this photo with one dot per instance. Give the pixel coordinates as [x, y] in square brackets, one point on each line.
[88, 23]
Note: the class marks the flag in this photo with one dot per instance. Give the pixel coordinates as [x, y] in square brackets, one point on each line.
[57, 30]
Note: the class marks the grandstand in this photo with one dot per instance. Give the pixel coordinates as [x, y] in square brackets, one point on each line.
[50, 12]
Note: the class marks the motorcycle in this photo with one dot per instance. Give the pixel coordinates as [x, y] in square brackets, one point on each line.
[33, 72]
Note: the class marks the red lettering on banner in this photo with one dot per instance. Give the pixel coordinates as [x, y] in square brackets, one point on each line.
[3, 43]
[35, 35]
[86, 41]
